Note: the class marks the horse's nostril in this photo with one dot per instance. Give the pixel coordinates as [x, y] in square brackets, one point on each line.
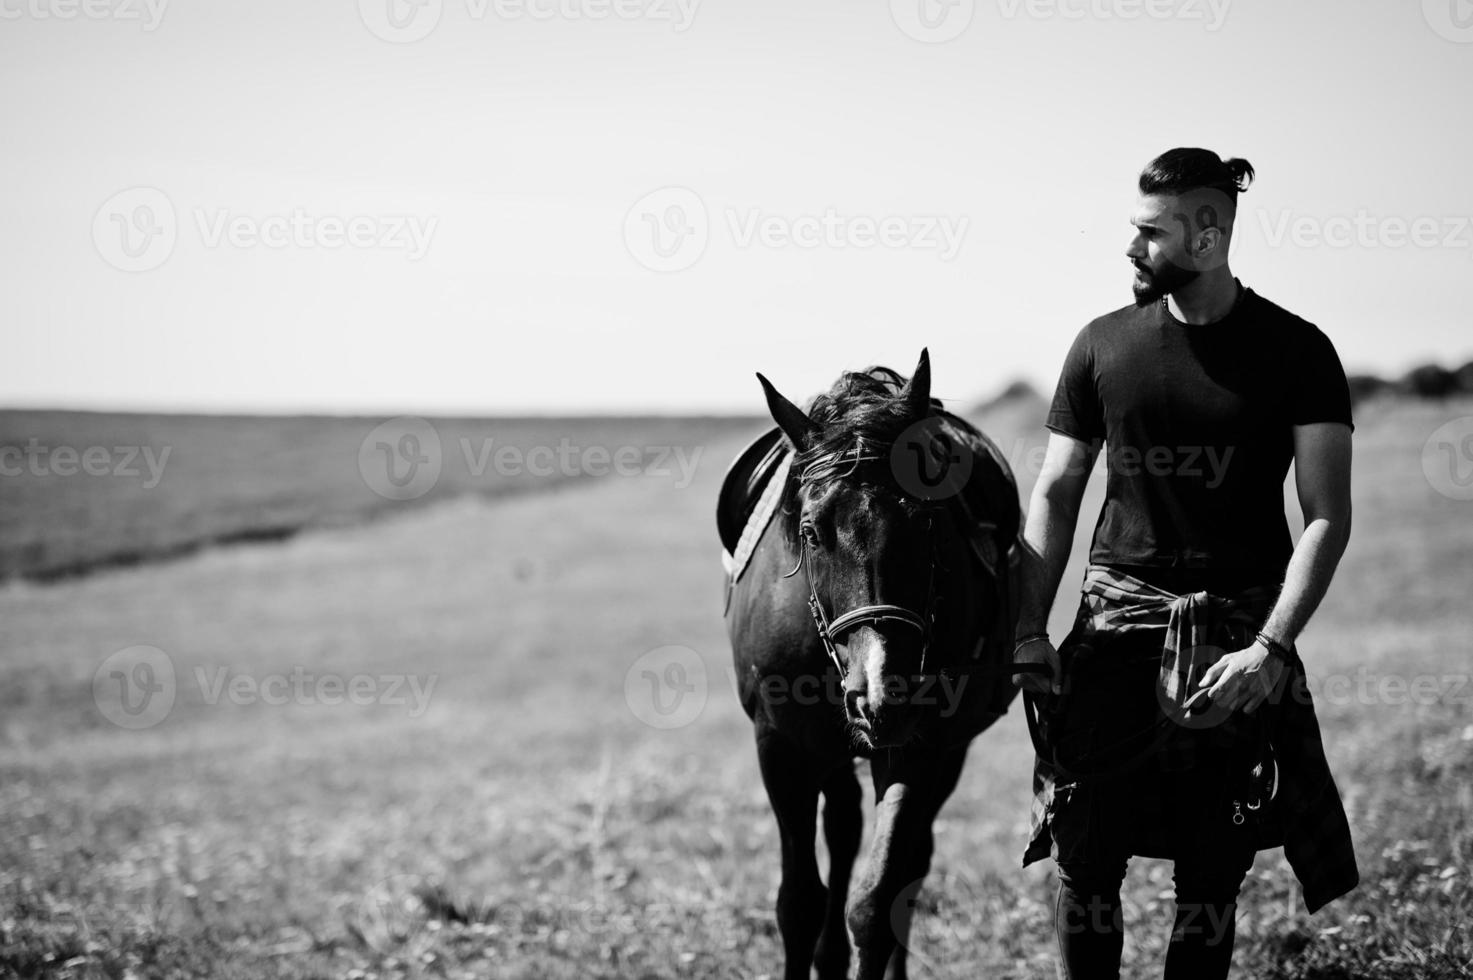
[858, 706]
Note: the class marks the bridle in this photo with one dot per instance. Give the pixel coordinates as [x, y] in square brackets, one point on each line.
[831, 631]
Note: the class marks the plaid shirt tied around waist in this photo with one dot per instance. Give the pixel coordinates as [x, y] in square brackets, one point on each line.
[1195, 631]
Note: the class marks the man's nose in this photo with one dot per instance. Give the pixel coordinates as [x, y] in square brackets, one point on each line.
[857, 703]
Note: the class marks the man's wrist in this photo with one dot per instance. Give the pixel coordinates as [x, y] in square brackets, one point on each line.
[1274, 646]
[1023, 639]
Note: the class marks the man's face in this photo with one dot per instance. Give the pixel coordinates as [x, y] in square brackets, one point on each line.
[1160, 249]
[1177, 238]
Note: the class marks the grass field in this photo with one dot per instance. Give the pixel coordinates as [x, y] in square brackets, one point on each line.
[159, 486]
[526, 823]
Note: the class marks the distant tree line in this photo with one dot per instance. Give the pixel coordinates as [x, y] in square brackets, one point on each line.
[1425, 381]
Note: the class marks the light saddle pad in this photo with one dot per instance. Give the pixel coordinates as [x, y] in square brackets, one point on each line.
[736, 562]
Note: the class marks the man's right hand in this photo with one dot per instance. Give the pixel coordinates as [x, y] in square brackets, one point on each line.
[1039, 651]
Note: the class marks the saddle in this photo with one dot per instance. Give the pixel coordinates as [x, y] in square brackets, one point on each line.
[746, 478]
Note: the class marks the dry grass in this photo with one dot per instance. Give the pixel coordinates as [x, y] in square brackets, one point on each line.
[529, 825]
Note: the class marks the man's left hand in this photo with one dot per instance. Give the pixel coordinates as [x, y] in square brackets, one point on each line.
[1243, 679]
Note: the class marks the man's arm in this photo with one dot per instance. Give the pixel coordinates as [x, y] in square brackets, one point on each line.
[1048, 534]
[1322, 480]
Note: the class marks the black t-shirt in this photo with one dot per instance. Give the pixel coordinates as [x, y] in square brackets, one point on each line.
[1198, 428]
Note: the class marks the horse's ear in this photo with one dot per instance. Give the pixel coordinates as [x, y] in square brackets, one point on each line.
[799, 428]
[918, 389]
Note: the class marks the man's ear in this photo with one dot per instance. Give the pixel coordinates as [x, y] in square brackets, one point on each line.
[801, 430]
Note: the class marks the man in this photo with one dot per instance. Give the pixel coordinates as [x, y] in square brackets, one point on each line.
[1203, 392]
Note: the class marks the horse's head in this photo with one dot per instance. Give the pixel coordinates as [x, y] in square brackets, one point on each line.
[869, 551]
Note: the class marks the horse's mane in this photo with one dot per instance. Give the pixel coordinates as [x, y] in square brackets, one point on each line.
[862, 407]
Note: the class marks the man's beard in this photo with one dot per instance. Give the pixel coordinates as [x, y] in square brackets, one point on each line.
[1160, 282]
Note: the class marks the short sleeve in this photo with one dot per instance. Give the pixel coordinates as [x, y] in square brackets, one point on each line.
[1076, 410]
[1320, 390]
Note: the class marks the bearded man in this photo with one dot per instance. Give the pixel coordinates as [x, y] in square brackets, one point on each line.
[1175, 719]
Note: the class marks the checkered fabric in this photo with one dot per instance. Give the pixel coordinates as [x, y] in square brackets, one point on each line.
[1195, 631]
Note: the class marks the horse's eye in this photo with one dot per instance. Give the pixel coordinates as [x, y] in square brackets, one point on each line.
[810, 534]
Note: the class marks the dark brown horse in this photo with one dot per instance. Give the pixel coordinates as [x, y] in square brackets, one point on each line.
[872, 620]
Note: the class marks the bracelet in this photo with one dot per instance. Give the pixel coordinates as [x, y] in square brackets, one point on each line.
[1274, 646]
[1018, 644]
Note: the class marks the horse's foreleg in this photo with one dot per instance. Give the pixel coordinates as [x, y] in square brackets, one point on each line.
[907, 801]
[792, 788]
[843, 823]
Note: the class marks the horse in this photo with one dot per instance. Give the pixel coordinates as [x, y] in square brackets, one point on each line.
[872, 619]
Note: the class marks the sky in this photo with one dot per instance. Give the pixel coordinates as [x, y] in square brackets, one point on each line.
[543, 206]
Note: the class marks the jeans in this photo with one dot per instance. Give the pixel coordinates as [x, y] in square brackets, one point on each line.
[1091, 932]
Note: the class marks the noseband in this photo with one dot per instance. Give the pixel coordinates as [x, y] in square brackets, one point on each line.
[832, 632]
